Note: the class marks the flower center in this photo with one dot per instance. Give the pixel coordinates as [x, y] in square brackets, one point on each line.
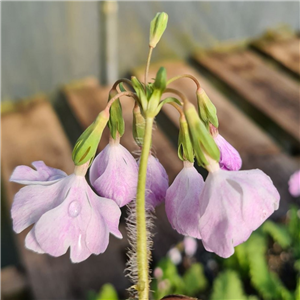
[74, 209]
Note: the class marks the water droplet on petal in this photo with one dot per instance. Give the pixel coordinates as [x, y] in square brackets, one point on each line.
[264, 214]
[74, 209]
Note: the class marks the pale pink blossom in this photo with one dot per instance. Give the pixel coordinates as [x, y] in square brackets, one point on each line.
[157, 183]
[114, 173]
[190, 245]
[182, 201]
[294, 184]
[232, 205]
[66, 213]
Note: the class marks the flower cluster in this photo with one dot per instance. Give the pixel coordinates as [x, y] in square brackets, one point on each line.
[67, 213]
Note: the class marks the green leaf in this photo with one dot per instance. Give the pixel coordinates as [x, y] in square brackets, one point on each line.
[278, 232]
[297, 291]
[229, 286]
[265, 282]
[195, 280]
[170, 282]
[107, 292]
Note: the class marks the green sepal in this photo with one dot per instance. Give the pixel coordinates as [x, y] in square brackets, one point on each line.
[201, 138]
[121, 86]
[185, 147]
[157, 27]
[206, 109]
[158, 87]
[116, 122]
[87, 144]
[138, 128]
[167, 100]
[140, 91]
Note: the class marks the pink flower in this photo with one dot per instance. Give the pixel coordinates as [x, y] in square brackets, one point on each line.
[182, 201]
[65, 212]
[190, 245]
[294, 184]
[229, 157]
[232, 205]
[114, 173]
[157, 183]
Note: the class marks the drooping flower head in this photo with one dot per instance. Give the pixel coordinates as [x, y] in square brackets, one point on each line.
[230, 158]
[294, 184]
[157, 183]
[66, 213]
[232, 205]
[114, 173]
[182, 201]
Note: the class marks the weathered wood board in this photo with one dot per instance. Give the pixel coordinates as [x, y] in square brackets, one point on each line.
[272, 93]
[36, 134]
[257, 149]
[285, 51]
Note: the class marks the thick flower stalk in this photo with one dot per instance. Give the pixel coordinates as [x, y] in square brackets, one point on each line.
[66, 213]
[114, 173]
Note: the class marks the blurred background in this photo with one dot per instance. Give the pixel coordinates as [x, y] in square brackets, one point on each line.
[59, 60]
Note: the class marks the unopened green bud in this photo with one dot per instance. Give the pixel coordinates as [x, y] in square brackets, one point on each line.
[87, 144]
[185, 147]
[116, 122]
[160, 82]
[207, 111]
[201, 139]
[138, 126]
[157, 27]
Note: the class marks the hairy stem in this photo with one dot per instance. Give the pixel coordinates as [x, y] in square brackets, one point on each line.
[142, 252]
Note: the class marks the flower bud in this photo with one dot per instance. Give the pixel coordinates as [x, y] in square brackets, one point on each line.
[86, 145]
[157, 27]
[116, 122]
[138, 128]
[185, 147]
[201, 139]
[207, 111]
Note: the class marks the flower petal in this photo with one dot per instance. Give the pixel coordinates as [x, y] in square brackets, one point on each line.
[65, 226]
[31, 242]
[232, 205]
[157, 183]
[31, 202]
[230, 159]
[294, 184]
[42, 175]
[182, 202]
[114, 174]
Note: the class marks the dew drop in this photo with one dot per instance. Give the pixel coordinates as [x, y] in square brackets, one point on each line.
[74, 209]
[264, 214]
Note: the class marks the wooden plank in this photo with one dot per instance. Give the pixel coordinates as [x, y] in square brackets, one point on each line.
[286, 52]
[14, 284]
[274, 94]
[86, 103]
[257, 149]
[33, 134]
